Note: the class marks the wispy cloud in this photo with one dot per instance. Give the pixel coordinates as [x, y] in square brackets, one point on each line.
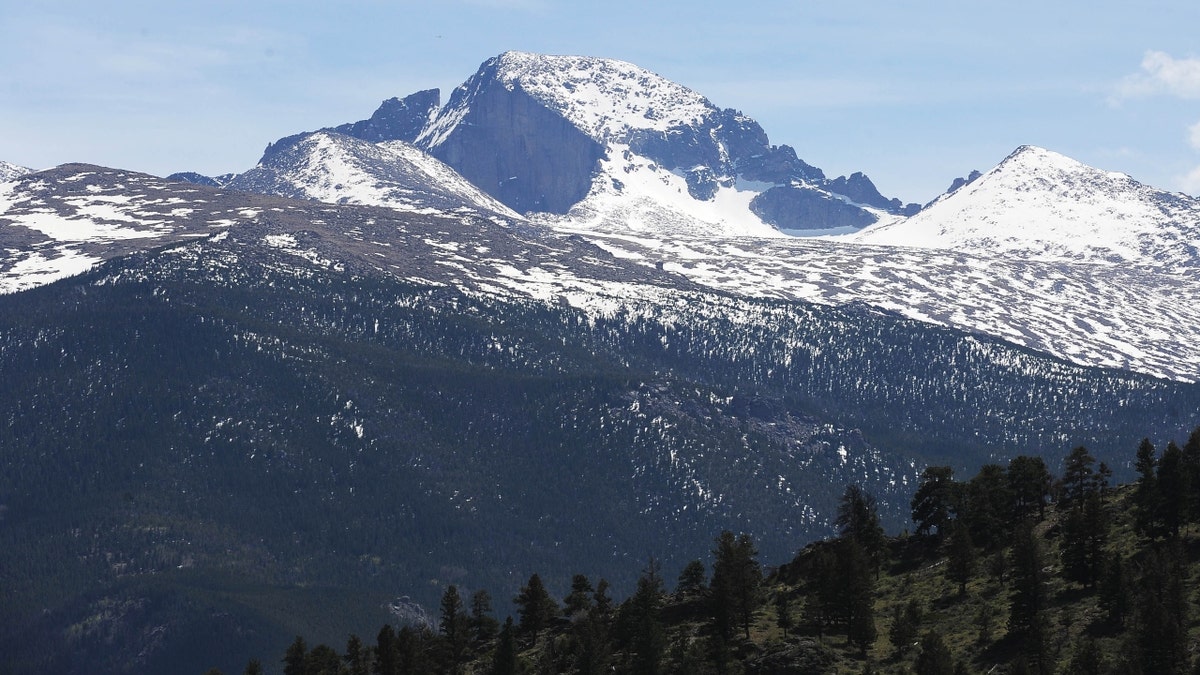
[1162, 74]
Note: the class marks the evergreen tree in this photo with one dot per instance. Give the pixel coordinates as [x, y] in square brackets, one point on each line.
[692, 580]
[783, 612]
[1145, 495]
[1028, 596]
[454, 626]
[1026, 620]
[385, 652]
[294, 658]
[504, 659]
[1029, 483]
[858, 519]
[649, 641]
[322, 660]
[1085, 523]
[1173, 490]
[736, 579]
[1160, 612]
[934, 657]
[986, 507]
[253, 667]
[578, 603]
[483, 624]
[906, 620]
[357, 658]
[1115, 598]
[962, 557]
[935, 501]
[1079, 478]
[857, 590]
[1191, 463]
[411, 651]
[603, 603]
[535, 607]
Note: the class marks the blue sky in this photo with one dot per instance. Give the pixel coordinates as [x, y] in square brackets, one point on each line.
[913, 93]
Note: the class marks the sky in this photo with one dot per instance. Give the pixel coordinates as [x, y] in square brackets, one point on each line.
[910, 92]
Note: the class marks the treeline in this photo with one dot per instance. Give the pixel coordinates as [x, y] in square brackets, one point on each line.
[1014, 570]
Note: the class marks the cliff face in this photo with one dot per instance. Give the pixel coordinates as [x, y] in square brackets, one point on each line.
[515, 149]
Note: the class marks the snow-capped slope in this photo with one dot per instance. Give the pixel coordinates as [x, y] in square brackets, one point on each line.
[605, 98]
[335, 168]
[1038, 204]
[11, 171]
[616, 148]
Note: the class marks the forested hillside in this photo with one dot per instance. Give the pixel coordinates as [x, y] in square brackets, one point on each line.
[217, 447]
[1015, 570]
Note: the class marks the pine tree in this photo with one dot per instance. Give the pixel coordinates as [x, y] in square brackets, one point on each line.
[294, 658]
[692, 580]
[322, 660]
[858, 519]
[934, 502]
[1173, 490]
[857, 590]
[453, 626]
[906, 620]
[737, 577]
[385, 652]
[1028, 585]
[783, 612]
[1029, 483]
[1085, 523]
[962, 557]
[649, 641]
[356, 657]
[1160, 612]
[986, 507]
[1145, 495]
[504, 659]
[253, 667]
[535, 607]
[483, 624]
[578, 603]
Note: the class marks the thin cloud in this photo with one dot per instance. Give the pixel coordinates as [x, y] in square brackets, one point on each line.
[1163, 74]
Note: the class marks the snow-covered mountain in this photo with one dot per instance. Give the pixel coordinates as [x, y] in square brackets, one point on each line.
[1038, 204]
[11, 171]
[613, 147]
[332, 167]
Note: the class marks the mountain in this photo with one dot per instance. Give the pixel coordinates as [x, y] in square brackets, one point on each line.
[616, 147]
[267, 403]
[340, 169]
[1040, 205]
[11, 171]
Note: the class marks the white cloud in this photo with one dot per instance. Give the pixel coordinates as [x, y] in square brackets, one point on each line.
[1163, 74]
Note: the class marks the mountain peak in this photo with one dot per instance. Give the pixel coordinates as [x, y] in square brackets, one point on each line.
[605, 98]
[11, 171]
[1038, 203]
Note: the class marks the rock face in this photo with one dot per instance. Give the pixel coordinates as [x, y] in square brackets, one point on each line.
[396, 119]
[514, 148]
[530, 130]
